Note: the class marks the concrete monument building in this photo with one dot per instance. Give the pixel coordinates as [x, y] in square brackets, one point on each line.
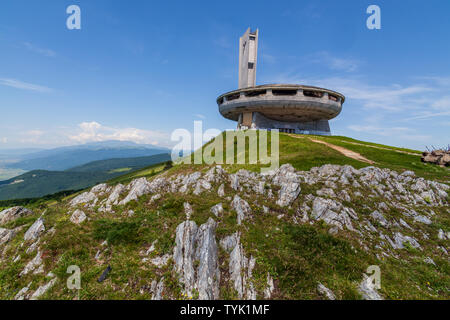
[290, 108]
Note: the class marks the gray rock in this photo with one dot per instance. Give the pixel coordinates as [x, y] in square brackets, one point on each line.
[377, 216]
[22, 294]
[100, 189]
[208, 275]
[33, 265]
[138, 188]
[367, 290]
[429, 261]
[189, 181]
[6, 235]
[201, 186]
[270, 287]
[228, 243]
[35, 230]
[86, 198]
[158, 290]
[332, 212]
[326, 192]
[13, 213]
[78, 217]
[188, 210]
[422, 219]
[404, 224]
[217, 210]
[442, 235]
[197, 244]
[43, 289]
[160, 261]
[289, 181]
[324, 291]
[221, 190]
[117, 191]
[400, 239]
[242, 208]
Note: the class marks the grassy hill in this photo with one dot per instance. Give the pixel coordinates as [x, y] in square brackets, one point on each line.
[303, 154]
[38, 183]
[288, 243]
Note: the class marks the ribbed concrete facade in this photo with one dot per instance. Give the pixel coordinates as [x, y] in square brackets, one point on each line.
[287, 107]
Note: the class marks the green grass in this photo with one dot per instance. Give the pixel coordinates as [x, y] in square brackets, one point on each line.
[120, 170]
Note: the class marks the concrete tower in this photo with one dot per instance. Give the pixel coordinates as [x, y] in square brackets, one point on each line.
[248, 54]
[289, 108]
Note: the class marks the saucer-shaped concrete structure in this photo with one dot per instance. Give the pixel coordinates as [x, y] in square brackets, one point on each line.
[288, 107]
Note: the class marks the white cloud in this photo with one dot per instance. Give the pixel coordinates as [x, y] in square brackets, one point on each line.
[94, 131]
[392, 98]
[335, 63]
[4, 140]
[23, 85]
[44, 52]
[199, 115]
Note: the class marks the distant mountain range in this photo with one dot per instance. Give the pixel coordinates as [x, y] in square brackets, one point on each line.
[63, 158]
[38, 183]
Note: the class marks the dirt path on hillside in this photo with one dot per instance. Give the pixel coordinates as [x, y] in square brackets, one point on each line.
[346, 152]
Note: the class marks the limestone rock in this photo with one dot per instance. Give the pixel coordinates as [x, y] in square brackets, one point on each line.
[324, 291]
[400, 239]
[13, 213]
[221, 190]
[158, 289]
[217, 210]
[242, 208]
[35, 230]
[138, 187]
[160, 261]
[43, 289]
[188, 210]
[197, 244]
[78, 216]
[22, 294]
[86, 198]
[289, 181]
[333, 213]
[33, 265]
[377, 216]
[6, 235]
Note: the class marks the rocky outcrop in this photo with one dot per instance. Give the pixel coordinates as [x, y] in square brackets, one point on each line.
[13, 213]
[240, 267]
[43, 289]
[242, 208]
[217, 210]
[333, 213]
[197, 245]
[6, 235]
[36, 229]
[137, 188]
[78, 216]
[34, 265]
[289, 181]
[439, 157]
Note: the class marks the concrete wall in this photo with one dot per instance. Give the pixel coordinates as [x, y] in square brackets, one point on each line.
[319, 127]
[248, 54]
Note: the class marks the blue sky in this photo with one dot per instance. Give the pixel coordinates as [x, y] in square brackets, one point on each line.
[139, 69]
